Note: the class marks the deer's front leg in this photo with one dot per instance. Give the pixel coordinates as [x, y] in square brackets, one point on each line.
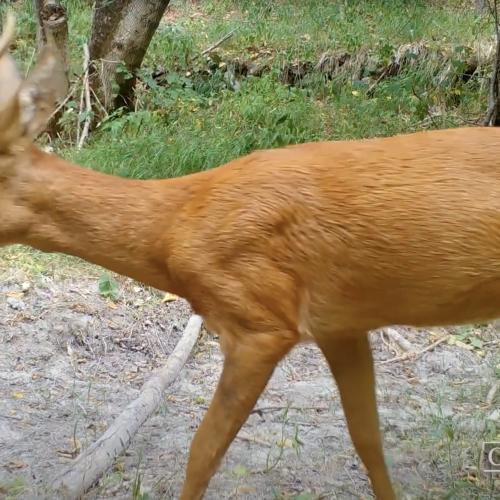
[247, 369]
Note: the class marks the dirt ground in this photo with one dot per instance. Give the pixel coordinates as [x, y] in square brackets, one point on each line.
[70, 360]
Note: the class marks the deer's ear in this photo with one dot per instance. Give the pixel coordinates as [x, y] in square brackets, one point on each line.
[38, 95]
[10, 83]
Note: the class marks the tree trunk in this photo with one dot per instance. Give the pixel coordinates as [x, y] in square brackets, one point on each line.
[493, 113]
[40, 34]
[53, 22]
[53, 25]
[494, 100]
[121, 33]
[481, 6]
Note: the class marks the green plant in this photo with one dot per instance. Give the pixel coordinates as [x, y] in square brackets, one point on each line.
[108, 287]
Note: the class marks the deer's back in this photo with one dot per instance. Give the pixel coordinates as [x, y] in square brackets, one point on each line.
[358, 234]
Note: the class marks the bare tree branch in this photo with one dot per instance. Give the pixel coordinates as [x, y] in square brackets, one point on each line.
[86, 93]
[87, 468]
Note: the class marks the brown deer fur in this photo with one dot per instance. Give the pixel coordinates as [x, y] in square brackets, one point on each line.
[321, 241]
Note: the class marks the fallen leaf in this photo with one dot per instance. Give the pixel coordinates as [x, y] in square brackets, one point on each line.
[18, 394]
[169, 297]
[286, 443]
[120, 466]
[73, 451]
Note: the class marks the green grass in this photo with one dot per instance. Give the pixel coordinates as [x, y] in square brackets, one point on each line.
[305, 29]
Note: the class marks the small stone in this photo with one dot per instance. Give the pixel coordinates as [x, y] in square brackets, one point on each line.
[15, 304]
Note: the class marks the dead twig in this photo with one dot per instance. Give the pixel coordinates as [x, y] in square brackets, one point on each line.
[226, 37]
[371, 89]
[80, 111]
[492, 342]
[64, 102]
[70, 94]
[88, 102]
[266, 409]
[251, 439]
[397, 338]
[492, 393]
[94, 461]
[99, 103]
[415, 354]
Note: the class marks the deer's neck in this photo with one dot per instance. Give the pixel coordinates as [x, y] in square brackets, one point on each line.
[120, 224]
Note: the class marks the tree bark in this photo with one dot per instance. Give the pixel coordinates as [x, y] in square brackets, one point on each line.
[481, 6]
[121, 33]
[493, 114]
[52, 25]
[40, 34]
[53, 22]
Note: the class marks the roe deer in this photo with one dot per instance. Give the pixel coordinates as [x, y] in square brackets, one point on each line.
[322, 241]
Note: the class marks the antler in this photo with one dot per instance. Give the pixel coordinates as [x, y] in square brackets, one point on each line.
[8, 33]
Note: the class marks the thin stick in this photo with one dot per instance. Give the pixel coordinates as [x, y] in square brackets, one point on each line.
[252, 439]
[63, 103]
[492, 342]
[87, 468]
[80, 111]
[265, 409]
[396, 337]
[492, 392]
[382, 75]
[88, 102]
[219, 43]
[414, 355]
[97, 100]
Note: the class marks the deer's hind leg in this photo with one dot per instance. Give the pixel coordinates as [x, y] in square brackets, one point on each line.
[350, 359]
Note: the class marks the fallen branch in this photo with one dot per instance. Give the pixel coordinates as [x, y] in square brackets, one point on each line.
[415, 355]
[381, 77]
[91, 464]
[219, 43]
[252, 439]
[88, 102]
[397, 338]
